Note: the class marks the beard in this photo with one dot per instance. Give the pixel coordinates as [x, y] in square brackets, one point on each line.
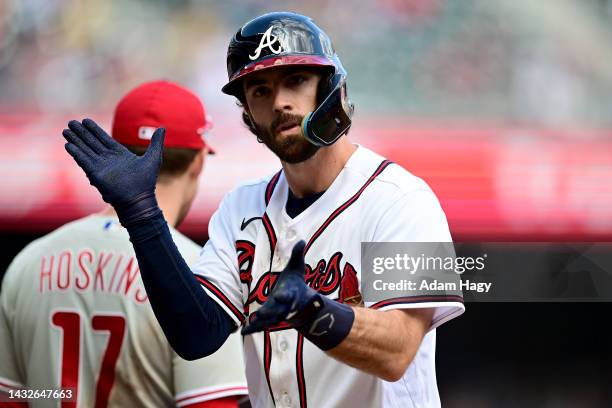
[293, 148]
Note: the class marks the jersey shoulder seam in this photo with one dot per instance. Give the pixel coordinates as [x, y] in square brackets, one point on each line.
[255, 186]
[420, 184]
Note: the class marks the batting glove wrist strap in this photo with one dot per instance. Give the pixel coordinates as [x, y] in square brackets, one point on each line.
[143, 207]
[329, 323]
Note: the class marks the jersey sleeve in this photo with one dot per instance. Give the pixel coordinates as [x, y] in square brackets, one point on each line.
[217, 376]
[9, 372]
[217, 268]
[417, 217]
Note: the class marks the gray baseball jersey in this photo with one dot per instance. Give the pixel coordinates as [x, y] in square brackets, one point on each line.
[74, 314]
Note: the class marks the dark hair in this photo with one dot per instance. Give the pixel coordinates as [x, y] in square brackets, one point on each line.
[246, 119]
[175, 161]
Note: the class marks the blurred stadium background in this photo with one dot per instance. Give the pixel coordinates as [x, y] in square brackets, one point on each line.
[503, 106]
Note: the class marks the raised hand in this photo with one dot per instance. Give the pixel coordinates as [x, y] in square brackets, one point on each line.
[125, 180]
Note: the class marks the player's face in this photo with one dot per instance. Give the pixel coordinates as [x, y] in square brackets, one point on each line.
[278, 99]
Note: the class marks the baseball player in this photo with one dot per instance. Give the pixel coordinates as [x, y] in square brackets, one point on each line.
[283, 258]
[74, 313]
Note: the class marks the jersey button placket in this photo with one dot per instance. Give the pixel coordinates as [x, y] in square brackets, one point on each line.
[291, 235]
[277, 260]
[283, 345]
[286, 400]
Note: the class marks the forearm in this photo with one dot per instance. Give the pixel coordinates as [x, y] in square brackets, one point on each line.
[193, 323]
[383, 343]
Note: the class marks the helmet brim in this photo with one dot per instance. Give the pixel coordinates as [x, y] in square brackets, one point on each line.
[234, 87]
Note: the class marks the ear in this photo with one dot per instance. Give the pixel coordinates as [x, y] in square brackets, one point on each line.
[197, 165]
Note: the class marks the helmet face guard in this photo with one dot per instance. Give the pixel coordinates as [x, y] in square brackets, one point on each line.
[331, 119]
[285, 39]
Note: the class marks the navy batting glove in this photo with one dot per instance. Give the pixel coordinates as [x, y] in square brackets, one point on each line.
[289, 298]
[321, 320]
[125, 180]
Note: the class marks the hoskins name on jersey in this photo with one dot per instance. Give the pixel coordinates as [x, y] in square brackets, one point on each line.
[85, 270]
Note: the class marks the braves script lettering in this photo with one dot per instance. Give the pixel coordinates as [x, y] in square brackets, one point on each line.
[325, 277]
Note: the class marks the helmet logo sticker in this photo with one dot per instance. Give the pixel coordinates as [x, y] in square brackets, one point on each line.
[268, 40]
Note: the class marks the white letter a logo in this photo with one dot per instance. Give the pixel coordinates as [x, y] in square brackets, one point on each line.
[267, 40]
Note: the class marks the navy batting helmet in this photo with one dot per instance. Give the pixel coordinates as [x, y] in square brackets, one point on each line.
[282, 39]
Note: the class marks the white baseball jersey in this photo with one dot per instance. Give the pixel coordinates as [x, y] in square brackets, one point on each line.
[371, 200]
[74, 314]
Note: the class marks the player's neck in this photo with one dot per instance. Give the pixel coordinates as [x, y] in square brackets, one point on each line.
[319, 172]
[166, 194]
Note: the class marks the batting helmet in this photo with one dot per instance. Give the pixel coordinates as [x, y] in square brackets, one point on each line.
[282, 39]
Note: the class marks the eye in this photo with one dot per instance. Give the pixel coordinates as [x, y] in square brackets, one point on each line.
[259, 91]
[296, 79]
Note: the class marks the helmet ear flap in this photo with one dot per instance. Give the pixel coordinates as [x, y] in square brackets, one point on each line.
[332, 118]
[325, 85]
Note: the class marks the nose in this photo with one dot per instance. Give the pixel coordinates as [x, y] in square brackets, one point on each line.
[282, 100]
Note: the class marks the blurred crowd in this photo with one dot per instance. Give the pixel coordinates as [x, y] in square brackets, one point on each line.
[509, 61]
